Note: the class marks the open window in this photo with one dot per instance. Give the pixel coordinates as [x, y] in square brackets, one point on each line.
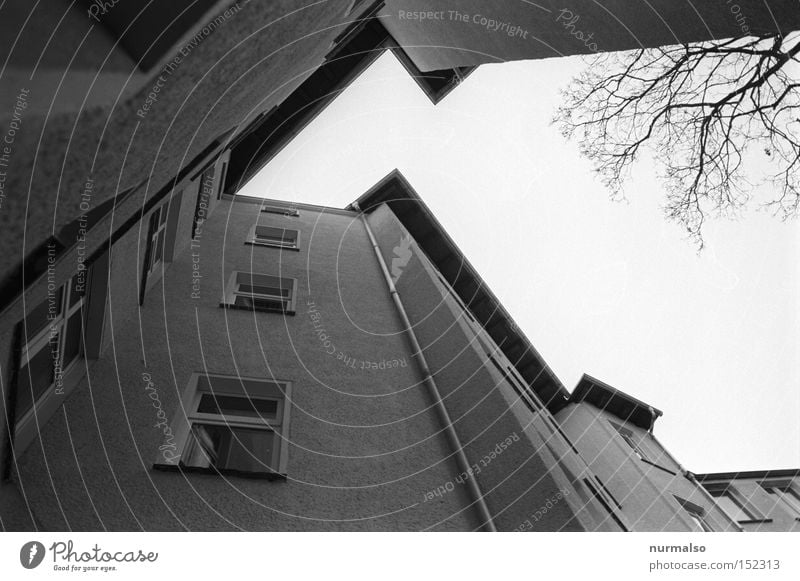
[697, 515]
[282, 210]
[260, 292]
[233, 426]
[275, 237]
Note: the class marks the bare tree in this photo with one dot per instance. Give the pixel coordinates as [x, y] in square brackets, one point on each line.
[713, 114]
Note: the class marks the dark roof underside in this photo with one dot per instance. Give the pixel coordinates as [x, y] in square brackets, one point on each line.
[429, 234]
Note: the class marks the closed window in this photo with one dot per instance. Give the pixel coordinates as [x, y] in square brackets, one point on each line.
[233, 425]
[275, 237]
[156, 238]
[52, 334]
[282, 210]
[785, 496]
[205, 191]
[733, 506]
[260, 292]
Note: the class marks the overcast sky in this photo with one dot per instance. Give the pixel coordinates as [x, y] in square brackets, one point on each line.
[603, 288]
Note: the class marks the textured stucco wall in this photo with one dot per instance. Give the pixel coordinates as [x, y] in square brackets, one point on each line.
[248, 64]
[646, 492]
[365, 445]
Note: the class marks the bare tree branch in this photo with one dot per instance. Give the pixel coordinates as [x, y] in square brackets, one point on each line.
[709, 112]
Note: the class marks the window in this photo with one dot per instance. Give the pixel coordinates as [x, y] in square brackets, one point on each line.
[276, 237]
[260, 292]
[282, 210]
[733, 506]
[697, 515]
[233, 425]
[205, 190]
[631, 440]
[160, 241]
[223, 174]
[156, 237]
[784, 495]
[53, 341]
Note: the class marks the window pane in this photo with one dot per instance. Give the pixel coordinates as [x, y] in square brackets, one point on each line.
[255, 302]
[229, 405]
[263, 290]
[732, 508]
[787, 497]
[72, 338]
[77, 288]
[229, 448]
[159, 248]
[163, 216]
[40, 316]
[35, 377]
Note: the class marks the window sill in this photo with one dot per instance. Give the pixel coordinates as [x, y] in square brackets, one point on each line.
[268, 245]
[667, 470]
[754, 521]
[269, 475]
[258, 309]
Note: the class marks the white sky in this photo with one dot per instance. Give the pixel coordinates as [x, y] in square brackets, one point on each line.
[604, 288]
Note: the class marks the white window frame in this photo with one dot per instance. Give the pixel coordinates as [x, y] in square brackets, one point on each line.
[156, 235]
[28, 425]
[252, 388]
[786, 495]
[738, 500]
[280, 210]
[238, 278]
[290, 244]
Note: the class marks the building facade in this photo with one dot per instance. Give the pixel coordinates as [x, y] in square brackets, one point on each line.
[248, 364]
[174, 356]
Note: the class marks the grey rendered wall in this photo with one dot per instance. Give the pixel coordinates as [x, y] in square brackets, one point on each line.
[364, 443]
[533, 482]
[645, 491]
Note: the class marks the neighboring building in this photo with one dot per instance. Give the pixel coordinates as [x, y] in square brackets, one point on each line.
[762, 500]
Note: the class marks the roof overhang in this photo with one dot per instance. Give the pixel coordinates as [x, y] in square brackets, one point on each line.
[624, 406]
[395, 191]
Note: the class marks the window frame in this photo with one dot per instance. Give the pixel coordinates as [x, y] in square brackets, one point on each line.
[696, 514]
[188, 416]
[232, 291]
[156, 230]
[252, 238]
[91, 305]
[628, 437]
[153, 269]
[55, 331]
[288, 211]
[745, 506]
[778, 490]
